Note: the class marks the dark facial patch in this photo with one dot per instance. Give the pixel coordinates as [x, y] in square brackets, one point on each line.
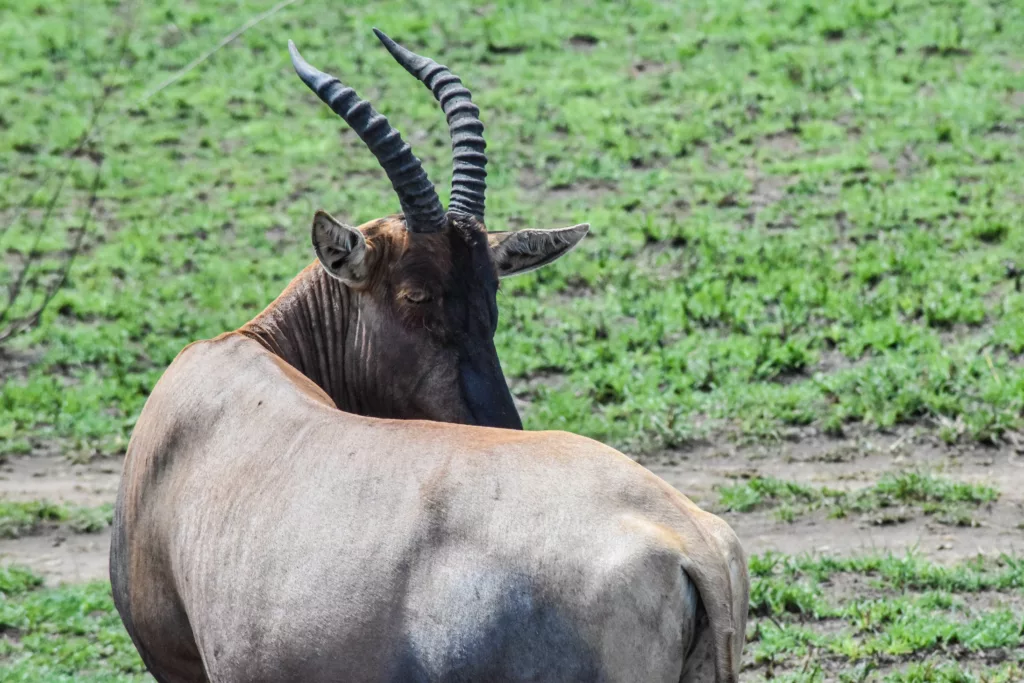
[472, 297]
[472, 309]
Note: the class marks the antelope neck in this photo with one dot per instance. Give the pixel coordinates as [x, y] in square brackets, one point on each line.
[315, 326]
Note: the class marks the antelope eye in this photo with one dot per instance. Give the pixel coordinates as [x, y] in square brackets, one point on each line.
[417, 296]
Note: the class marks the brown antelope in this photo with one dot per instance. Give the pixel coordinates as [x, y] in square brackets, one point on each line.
[340, 490]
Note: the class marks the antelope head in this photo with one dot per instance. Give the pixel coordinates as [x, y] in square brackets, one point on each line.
[396, 318]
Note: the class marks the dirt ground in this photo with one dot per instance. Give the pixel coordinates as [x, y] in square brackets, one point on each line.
[851, 464]
[61, 556]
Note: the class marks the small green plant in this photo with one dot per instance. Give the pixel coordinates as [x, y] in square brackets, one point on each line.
[949, 501]
[15, 580]
[84, 520]
[759, 492]
[25, 518]
[893, 500]
[18, 519]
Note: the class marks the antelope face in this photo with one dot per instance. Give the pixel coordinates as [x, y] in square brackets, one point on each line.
[426, 306]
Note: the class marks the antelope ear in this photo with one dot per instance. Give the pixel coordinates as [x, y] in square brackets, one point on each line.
[340, 248]
[525, 250]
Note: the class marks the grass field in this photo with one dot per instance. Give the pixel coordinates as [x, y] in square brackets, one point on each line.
[807, 249]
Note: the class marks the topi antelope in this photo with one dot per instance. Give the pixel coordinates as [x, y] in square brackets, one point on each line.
[340, 490]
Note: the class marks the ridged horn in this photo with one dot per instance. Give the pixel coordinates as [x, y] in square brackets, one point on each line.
[420, 204]
[469, 176]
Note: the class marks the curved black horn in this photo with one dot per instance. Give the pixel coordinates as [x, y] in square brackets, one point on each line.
[468, 157]
[422, 208]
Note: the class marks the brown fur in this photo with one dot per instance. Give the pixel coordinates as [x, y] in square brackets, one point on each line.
[266, 529]
[307, 323]
[283, 502]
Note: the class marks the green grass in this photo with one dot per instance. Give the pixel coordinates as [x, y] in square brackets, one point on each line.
[855, 615]
[25, 518]
[764, 492]
[804, 217]
[15, 580]
[62, 634]
[894, 498]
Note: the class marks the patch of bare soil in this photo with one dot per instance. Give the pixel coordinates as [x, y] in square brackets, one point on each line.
[58, 480]
[646, 67]
[853, 464]
[14, 365]
[58, 555]
[536, 184]
[784, 143]
[767, 189]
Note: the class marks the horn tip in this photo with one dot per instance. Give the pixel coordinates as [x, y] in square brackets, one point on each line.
[383, 38]
[293, 52]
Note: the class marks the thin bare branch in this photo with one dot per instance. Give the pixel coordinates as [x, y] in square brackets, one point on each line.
[30, 319]
[209, 53]
[99, 103]
[16, 286]
[93, 130]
